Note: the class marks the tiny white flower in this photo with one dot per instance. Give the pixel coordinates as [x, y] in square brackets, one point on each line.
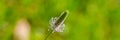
[60, 28]
[52, 22]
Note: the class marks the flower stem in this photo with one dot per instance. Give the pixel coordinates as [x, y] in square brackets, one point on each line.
[48, 34]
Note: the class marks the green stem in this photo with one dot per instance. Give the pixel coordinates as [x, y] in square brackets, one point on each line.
[48, 34]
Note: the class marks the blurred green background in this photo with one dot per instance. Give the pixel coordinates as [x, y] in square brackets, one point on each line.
[87, 19]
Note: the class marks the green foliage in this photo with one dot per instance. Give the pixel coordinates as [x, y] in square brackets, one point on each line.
[87, 20]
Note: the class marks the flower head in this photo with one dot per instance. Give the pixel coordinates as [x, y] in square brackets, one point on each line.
[57, 23]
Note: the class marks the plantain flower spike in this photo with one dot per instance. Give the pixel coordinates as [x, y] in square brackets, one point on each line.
[57, 23]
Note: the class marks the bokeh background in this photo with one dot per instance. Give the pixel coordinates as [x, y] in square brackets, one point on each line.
[87, 19]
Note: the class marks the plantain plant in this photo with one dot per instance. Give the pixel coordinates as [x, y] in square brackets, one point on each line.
[57, 23]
